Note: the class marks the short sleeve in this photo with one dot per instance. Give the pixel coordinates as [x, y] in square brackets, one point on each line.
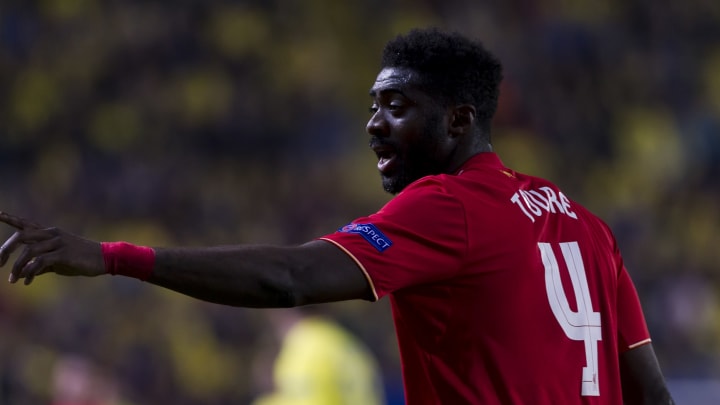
[632, 328]
[419, 237]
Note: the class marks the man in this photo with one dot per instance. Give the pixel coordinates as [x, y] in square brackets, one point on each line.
[503, 290]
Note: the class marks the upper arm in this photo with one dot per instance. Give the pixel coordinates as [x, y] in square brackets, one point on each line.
[328, 274]
[642, 379]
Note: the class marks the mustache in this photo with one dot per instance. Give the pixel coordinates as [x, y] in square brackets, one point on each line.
[376, 142]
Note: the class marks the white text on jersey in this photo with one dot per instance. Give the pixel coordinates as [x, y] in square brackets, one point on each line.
[535, 203]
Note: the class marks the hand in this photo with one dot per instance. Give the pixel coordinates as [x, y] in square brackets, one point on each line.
[49, 250]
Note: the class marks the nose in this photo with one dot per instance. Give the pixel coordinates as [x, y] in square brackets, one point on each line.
[376, 125]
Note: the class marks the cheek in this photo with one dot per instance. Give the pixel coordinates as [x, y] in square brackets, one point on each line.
[408, 135]
[421, 139]
[435, 139]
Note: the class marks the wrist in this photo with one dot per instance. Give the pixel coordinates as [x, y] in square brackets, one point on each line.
[126, 259]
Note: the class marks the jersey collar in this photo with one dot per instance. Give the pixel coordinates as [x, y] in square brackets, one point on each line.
[486, 160]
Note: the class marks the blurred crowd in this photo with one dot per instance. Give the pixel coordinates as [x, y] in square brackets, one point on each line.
[220, 122]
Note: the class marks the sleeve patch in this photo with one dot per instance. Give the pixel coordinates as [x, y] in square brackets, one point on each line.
[371, 234]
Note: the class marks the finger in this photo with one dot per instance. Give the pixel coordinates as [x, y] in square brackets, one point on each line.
[24, 237]
[28, 271]
[39, 265]
[31, 253]
[8, 247]
[37, 235]
[16, 221]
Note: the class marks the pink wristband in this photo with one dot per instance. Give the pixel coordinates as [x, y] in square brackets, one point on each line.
[128, 260]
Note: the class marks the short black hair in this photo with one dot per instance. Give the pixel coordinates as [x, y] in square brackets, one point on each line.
[452, 68]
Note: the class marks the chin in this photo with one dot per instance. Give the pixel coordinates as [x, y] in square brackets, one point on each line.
[389, 186]
[395, 184]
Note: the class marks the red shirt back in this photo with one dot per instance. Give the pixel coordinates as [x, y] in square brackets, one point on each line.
[503, 290]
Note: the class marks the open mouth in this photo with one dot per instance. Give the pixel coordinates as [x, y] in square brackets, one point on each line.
[385, 162]
[386, 158]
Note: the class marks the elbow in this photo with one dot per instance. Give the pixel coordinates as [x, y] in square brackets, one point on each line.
[287, 299]
[285, 291]
[293, 290]
[284, 283]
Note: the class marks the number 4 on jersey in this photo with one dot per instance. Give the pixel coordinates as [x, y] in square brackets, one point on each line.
[583, 324]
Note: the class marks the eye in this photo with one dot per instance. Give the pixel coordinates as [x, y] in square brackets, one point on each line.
[373, 109]
[397, 108]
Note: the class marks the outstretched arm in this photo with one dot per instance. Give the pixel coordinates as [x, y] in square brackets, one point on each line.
[642, 379]
[246, 275]
[262, 276]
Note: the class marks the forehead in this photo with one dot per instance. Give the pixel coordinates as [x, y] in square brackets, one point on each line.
[391, 79]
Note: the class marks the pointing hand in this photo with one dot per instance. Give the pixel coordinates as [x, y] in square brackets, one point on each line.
[48, 250]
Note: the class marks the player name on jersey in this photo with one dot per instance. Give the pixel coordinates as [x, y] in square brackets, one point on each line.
[535, 203]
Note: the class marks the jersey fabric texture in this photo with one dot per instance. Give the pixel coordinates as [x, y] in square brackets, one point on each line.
[503, 290]
[320, 363]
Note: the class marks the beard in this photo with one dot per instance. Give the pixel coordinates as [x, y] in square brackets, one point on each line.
[410, 168]
[397, 182]
[417, 159]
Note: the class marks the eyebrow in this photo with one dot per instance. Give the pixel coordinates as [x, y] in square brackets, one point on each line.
[386, 90]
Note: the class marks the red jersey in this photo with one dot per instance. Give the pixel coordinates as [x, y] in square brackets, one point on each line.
[503, 290]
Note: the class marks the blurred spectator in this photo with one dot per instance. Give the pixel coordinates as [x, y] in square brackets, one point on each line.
[219, 122]
[76, 381]
[320, 363]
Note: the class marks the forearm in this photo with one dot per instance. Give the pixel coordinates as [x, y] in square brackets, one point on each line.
[247, 276]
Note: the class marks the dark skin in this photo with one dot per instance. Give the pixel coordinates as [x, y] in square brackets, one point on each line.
[277, 276]
[422, 136]
[412, 135]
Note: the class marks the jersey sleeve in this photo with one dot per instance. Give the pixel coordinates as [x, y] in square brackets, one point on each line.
[632, 328]
[419, 237]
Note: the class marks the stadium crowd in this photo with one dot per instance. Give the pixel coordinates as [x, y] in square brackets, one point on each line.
[214, 122]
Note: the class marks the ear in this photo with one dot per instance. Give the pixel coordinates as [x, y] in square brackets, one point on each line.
[462, 119]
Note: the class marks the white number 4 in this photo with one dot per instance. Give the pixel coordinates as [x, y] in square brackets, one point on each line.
[583, 324]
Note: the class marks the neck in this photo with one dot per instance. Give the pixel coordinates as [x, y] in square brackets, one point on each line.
[462, 155]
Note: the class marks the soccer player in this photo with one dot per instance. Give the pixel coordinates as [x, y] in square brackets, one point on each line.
[503, 290]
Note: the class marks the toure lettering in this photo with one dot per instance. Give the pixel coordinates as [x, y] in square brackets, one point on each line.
[535, 203]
